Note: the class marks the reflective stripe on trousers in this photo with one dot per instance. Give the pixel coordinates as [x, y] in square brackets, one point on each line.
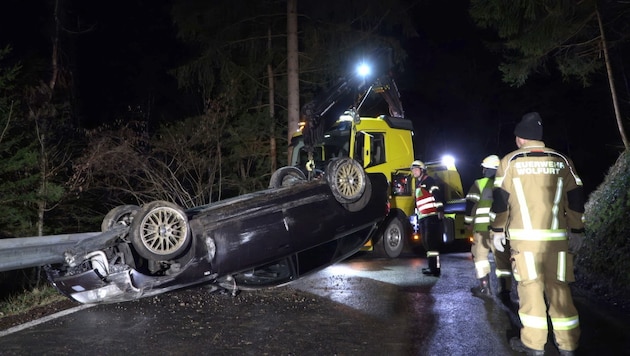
[542, 279]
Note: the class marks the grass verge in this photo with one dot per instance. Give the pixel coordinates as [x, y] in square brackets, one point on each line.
[27, 300]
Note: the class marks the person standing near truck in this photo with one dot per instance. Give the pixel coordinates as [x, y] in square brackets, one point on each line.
[430, 212]
[539, 206]
[477, 218]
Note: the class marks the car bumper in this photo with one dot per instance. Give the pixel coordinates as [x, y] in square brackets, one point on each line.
[90, 288]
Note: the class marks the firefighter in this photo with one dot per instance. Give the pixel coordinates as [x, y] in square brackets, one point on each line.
[539, 204]
[429, 212]
[477, 218]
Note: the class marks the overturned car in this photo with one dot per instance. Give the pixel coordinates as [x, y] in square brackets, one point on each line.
[262, 239]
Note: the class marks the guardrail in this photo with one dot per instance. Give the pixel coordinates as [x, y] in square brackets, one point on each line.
[24, 252]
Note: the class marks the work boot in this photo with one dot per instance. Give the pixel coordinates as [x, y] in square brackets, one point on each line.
[566, 352]
[483, 290]
[431, 271]
[434, 266]
[517, 345]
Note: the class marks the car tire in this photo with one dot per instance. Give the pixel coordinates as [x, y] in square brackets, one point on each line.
[160, 231]
[120, 215]
[286, 177]
[363, 201]
[347, 180]
[392, 241]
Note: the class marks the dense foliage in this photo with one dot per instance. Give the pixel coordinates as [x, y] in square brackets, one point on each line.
[603, 263]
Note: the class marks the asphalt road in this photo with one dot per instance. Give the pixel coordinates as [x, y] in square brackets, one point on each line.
[358, 307]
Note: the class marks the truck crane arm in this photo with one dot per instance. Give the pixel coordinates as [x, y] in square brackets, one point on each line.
[349, 93]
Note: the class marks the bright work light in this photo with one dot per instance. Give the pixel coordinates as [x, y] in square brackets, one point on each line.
[448, 160]
[364, 70]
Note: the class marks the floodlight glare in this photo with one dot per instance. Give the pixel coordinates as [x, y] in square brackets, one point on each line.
[448, 160]
[364, 70]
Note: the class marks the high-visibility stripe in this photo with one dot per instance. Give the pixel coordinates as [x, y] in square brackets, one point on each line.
[473, 196]
[517, 276]
[482, 220]
[538, 235]
[498, 181]
[432, 253]
[562, 266]
[427, 200]
[483, 210]
[531, 265]
[556, 201]
[502, 272]
[482, 268]
[522, 202]
[536, 322]
[569, 323]
[468, 219]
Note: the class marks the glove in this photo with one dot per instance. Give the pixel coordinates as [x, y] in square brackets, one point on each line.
[576, 239]
[498, 240]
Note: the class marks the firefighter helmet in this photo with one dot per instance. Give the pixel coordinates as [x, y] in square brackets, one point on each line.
[418, 164]
[491, 161]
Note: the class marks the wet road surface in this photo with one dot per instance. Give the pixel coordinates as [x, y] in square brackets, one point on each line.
[361, 306]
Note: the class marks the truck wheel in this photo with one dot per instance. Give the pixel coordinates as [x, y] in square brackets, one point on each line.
[392, 241]
[122, 215]
[160, 231]
[347, 180]
[286, 177]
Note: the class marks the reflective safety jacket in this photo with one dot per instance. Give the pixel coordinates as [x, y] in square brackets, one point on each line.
[478, 203]
[429, 200]
[537, 197]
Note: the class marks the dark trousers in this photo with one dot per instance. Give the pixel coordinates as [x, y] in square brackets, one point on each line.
[431, 230]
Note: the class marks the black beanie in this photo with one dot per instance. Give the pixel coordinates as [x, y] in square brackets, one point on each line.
[530, 127]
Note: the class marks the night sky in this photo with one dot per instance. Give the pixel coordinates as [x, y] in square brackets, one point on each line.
[451, 86]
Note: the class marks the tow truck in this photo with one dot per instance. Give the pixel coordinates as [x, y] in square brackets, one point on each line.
[362, 117]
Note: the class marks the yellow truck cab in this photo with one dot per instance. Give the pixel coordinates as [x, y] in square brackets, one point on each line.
[385, 144]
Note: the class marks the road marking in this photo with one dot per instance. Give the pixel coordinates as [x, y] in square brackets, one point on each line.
[44, 319]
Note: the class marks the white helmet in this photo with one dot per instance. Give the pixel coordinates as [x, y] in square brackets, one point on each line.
[418, 164]
[491, 161]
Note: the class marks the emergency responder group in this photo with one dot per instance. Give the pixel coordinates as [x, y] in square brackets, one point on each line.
[527, 208]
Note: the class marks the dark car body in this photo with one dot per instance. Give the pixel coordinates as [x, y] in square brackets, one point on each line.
[262, 239]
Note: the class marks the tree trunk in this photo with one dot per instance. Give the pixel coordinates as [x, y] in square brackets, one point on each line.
[273, 153]
[611, 83]
[43, 165]
[293, 84]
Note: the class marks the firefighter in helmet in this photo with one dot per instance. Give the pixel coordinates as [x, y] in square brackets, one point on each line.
[477, 219]
[430, 212]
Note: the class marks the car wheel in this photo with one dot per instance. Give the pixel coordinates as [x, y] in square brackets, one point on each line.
[347, 180]
[286, 176]
[393, 240]
[363, 201]
[120, 215]
[160, 231]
